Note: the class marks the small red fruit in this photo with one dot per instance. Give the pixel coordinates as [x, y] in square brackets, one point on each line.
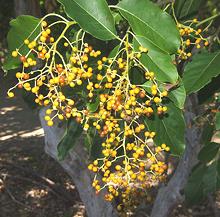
[22, 58]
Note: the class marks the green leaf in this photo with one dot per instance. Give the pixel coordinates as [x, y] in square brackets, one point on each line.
[117, 17]
[186, 8]
[210, 178]
[148, 20]
[194, 188]
[203, 180]
[170, 129]
[218, 178]
[136, 76]
[208, 131]
[91, 140]
[201, 70]
[147, 86]
[157, 61]
[114, 51]
[73, 132]
[21, 28]
[88, 142]
[217, 121]
[208, 152]
[94, 17]
[178, 95]
[92, 107]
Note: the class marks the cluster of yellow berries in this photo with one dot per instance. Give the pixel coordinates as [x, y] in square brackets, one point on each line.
[190, 35]
[130, 162]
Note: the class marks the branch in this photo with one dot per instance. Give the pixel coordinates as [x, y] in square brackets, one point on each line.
[172, 194]
[75, 165]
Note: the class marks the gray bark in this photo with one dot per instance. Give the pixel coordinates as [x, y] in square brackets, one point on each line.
[171, 195]
[75, 164]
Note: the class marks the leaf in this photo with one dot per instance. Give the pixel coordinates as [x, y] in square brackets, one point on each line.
[73, 132]
[202, 181]
[91, 140]
[21, 28]
[114, 51]
[88, 142]
[147, 86]
[208, 152]
[117, 17]
[186, 8]
[92, 107]
[201, 70]
[218, 178]
[210, 178]
[217, 121]
[170, 129]
[136, 76]
[148, 20]
[178, 95]
[208, 131]
[157, 61]
[94, 17]
[194, 187]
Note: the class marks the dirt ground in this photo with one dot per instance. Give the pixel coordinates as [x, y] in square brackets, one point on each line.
[31, 183]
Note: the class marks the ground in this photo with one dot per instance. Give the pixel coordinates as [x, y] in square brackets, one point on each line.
[31, 183]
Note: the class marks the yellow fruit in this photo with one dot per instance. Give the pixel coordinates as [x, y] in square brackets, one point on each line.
[11, 94]
[14, 53]
[50, 123]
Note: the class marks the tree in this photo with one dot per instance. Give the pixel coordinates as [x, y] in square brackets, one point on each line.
[124, 91]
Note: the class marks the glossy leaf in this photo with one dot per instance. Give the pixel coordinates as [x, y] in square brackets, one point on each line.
[178, 95]
[209, 152]
[21, 28]
[186, 8]
[73, 132]
[169, 131]
[201, 70]
[94, 17]
[157, 61]
[148, 20]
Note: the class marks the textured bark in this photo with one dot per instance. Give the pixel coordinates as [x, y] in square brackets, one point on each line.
[169, 196]
[75, 165]
[27, 7]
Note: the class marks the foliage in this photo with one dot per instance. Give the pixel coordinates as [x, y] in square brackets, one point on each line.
[198, 73]
[129, 98]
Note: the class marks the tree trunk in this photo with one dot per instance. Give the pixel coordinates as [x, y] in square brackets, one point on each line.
[171, 195]
[27, 7]
[76, 166]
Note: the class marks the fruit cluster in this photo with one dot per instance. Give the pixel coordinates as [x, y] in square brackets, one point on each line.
[190, 36]
[130, 159]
